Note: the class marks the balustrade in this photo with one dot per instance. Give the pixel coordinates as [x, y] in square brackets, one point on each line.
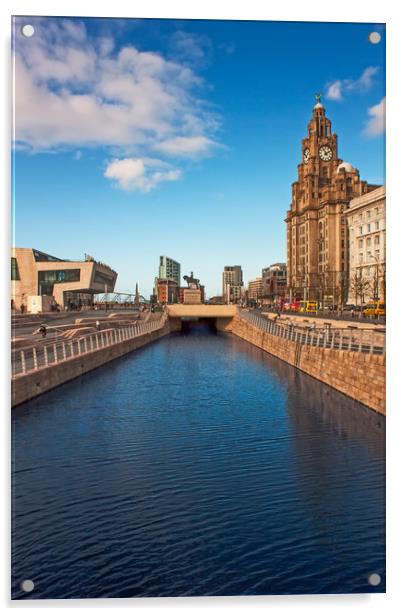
[35, 358]
[325, 338]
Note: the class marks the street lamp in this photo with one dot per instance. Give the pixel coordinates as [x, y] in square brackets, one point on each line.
[320, 242]
[375, 288]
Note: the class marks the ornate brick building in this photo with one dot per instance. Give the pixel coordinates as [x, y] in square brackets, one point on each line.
[317, 240]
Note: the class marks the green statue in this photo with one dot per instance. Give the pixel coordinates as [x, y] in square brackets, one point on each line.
[318, 97]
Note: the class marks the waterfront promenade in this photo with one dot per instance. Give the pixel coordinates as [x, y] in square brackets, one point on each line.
[350, 360]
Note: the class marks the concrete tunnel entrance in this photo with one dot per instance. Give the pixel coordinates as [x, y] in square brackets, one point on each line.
[201, 324]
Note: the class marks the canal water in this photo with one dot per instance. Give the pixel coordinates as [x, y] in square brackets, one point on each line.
[198, 465]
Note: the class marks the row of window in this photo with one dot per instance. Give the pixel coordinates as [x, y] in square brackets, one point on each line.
[368, 214]
[369, 228]
[102, 278]
[368, 242]
[55, 276]
[369, 256]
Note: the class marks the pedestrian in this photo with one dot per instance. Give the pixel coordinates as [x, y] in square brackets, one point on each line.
[97, 325]
[22, 308]
[43, 330]
[352, 312]
[278, 312]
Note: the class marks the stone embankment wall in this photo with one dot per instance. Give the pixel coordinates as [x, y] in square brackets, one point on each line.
[27, 386]
[360, 376]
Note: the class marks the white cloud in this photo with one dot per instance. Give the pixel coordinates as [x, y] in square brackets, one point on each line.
[140, 174]
[190, 48]
[74, 92]
[376, 124]
[334, 91]
[340, 87]
[186, 146]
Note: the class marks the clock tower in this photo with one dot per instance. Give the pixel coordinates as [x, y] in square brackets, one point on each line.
[317, 242]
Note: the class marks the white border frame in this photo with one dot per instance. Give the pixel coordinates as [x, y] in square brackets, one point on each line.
[308, 10]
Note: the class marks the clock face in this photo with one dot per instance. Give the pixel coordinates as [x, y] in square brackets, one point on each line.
[306, 155]
[325, 152]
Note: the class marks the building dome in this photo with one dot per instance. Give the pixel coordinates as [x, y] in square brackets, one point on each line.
[346, 166]
[318, 106]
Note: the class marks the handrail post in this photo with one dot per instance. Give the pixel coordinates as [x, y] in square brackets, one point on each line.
[23, 364]
[361, 341]
[55, 353]
[45, 356]
[35, 358]
[64, 350]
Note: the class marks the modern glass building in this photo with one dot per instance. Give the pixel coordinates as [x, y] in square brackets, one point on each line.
[232, 283]
[169, 269]
[35, 273]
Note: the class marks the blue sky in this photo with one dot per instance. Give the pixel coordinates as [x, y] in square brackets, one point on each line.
[136, 138]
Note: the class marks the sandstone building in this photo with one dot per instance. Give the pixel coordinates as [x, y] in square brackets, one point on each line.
[366, 224]
[317, 233]
[274, 283]
[255, 289]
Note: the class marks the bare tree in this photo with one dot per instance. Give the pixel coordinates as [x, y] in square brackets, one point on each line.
[359, 286]
[373, 286]
[382, 281]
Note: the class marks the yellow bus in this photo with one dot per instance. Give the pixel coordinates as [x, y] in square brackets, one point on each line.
[308, 306]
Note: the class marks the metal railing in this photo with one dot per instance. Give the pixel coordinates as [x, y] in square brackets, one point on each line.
[31, 359]
[346, 339]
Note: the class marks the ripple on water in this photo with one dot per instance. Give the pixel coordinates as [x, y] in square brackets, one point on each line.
[197, 466]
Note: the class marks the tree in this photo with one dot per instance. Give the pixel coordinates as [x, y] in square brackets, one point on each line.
[373, 286]
[382, 281]
[358, 286]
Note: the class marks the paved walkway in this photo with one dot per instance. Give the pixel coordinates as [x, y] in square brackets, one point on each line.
[341, 322]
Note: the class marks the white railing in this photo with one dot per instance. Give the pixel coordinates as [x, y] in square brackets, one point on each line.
[346, 339]
[31, 359]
